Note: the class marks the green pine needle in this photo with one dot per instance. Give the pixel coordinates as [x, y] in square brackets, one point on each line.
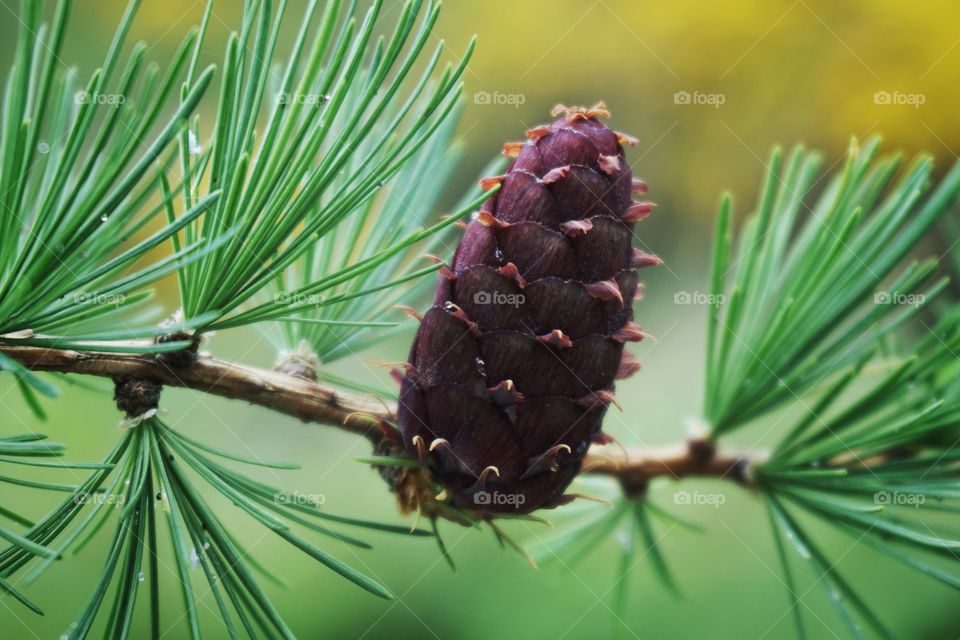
[314, 197]
[813, 289]
[153, 472]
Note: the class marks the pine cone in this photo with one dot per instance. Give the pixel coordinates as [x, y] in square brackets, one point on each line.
[514, 364]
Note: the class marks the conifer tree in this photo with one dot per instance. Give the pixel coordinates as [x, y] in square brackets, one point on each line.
[305, 208]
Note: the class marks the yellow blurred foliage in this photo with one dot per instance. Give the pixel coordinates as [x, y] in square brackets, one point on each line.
[804, 70]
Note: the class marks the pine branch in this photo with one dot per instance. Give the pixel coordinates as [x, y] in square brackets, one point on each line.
[313, 190]
[635, 467]
[314, 402]
[284, 393]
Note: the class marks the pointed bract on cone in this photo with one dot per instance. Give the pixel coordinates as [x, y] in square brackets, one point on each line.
[513, 366]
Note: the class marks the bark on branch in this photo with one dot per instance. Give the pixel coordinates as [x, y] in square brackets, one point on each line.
[314, 402]
[635, 467]
[309, 401]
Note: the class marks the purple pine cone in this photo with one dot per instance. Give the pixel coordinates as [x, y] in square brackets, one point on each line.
[514, 364]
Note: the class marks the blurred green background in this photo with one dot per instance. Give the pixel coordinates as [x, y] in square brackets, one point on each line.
[784, 72]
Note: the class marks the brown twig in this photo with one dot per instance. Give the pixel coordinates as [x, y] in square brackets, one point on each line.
[635, 467]
[292, 395]
[314, 402]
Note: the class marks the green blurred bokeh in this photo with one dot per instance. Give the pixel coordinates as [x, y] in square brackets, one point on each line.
[787, 72]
